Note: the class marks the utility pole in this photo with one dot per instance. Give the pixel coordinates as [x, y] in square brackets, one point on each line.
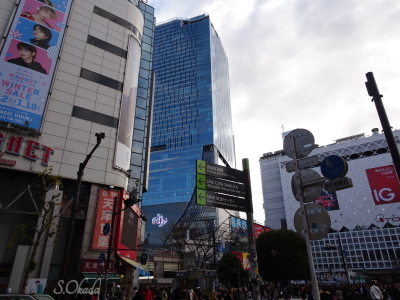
[250, 228]
[74, 209]
[373, 91]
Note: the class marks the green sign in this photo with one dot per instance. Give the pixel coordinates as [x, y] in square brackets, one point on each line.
[219, 185]
[209, 198]
[206, 168]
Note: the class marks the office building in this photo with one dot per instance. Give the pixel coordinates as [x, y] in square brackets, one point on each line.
[365, 217]
[192, 120]
[86, 69]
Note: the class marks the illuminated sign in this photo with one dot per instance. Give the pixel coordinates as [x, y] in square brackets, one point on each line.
[28, 60]
[382, 218]
[159, 220]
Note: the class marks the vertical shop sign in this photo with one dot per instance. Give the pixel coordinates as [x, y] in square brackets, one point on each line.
[28, 60]
[103, 216]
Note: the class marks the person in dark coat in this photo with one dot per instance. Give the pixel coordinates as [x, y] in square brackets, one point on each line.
[42, 36]
[27, 59]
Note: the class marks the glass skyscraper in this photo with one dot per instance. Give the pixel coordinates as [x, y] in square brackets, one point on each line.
[192, 118]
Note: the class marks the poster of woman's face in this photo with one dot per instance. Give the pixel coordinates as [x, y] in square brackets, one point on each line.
[35, 34]
[43, 14]
[57, 4]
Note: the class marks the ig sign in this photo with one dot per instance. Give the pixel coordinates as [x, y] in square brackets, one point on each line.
[384, 185]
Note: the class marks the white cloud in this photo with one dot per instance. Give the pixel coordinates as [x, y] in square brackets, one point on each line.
[301, 64]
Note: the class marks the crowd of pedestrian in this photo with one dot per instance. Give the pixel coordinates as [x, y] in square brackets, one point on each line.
[344, 291]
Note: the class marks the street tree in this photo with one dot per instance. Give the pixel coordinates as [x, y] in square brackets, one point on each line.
[47, 225]
[282, 255]
[230, 269]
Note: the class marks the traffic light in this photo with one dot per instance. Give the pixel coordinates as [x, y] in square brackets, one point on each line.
[143, 259]
[364, 271]
[132, 198]
[330, 271]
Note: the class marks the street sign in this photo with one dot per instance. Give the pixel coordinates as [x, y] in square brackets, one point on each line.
[338, 184]
[210, 273]
[220, 249]
[106, 228]
[304, 163]
[102, 257]
[334, 166]
[206, 168]
[318, 219]
[253, 254]
[100, 270]
[208, 198]
[220, 185]
[310, 193]
[304, 143]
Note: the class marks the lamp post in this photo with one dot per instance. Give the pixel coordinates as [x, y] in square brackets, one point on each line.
[74, 209]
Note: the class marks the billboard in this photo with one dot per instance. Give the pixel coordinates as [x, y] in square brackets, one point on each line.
[128, 105]
[328, 200]
[28, 60]
[384, 184]
[334, 277]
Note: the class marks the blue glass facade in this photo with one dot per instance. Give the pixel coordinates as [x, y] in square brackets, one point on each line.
[192, 114]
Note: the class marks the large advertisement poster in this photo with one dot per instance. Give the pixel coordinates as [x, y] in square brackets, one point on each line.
[128, 105]
[334, 277]
[384, 185]
[28, 60]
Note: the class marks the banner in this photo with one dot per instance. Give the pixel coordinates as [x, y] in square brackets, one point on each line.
[332, 278]
[384, 185]
[128, 105]
[28, 60]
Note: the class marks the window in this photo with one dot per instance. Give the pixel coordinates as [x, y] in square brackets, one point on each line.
[101, 79]
[117, 20]
[106, 46]
[95, 117]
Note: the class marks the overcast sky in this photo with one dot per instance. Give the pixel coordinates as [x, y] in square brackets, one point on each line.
[301, 64]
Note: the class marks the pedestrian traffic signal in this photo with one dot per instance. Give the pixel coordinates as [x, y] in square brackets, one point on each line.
[330, 271]
[143, 259]
[364, 271]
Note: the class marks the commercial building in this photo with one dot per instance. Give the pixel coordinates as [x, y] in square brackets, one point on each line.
[192, 120]
[365, 217]
[71, 69]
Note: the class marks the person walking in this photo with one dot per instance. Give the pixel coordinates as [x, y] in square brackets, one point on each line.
[190, 294]
[375, 291]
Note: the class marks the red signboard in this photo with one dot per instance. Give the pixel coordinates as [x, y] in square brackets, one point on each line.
[258, 229]
[384, 185]
[103, 216]
[91, 265]
[127, 226]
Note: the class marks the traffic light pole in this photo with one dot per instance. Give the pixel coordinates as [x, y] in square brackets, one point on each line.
[250, 228]
[373, 91]
[343, 259]
[300, 195]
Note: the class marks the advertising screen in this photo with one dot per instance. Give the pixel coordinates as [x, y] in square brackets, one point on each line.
[161, 220]
[28, 60]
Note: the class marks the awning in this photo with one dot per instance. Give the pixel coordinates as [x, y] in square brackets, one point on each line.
[91, 277]
[142, 271]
